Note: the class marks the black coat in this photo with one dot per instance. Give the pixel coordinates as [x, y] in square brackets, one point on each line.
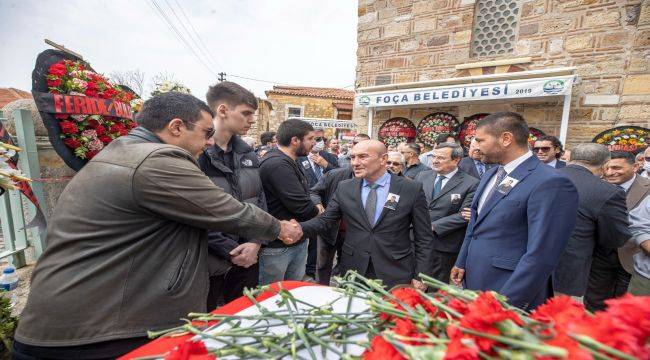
[468, 166]
[332, 163]
[324, 190]
[242, 181]
[286, 189]
[447, 223]
[396, 258]
[602, 222]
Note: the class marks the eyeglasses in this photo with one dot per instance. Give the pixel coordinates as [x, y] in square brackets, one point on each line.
[209, 132]
[318, 138]
[393, 163]
[542, 149]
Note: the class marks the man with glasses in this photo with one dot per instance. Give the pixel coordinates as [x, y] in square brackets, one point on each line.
[548, 150]
[395, 163]
[411, 152]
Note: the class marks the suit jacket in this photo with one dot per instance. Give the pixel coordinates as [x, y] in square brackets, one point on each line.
[467, 165]
[602, 221]
[332, 163]
[559, 164]
[396, 258]
[324, 190]
[514, 244]
[444, 209]
[638, 191]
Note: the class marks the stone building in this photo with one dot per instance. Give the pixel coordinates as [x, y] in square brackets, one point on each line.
[327, 108]
[601, 47]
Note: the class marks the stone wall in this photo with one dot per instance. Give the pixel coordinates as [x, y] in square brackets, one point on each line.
[313, 108]
[607, 40]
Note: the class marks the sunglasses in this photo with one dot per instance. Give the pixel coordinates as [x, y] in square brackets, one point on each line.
[393, 163]
[542, 149]
[647, 158]
[209, 132]
[318, 138]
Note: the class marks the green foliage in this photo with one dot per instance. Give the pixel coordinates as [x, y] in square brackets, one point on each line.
[8, 324]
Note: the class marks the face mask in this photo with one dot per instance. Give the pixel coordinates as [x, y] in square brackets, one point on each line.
[319, 146]
[646, 166]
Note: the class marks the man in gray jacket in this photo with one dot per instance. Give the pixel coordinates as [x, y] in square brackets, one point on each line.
[127, 244]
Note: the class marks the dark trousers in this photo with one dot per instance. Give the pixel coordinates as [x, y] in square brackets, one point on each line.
[102, 350]
[312, 257]
[229, 286]
[326, 253]
[442, 263]
[607, 279]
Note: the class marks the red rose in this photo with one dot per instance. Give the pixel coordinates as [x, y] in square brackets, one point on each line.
[105, 139]
[99, 130]
[91, 154]
[68, 127]
[93, 123]
[131, 125]
[91, 93]
[117, 128]
[54, 83]
[72, 143]
[58, 69]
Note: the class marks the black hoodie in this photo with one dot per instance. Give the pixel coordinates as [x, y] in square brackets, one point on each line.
[286, 189]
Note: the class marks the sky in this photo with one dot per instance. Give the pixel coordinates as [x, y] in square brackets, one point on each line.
[291, 42]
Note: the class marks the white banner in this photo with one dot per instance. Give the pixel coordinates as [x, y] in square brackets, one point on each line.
[512, 89]
[330, 124]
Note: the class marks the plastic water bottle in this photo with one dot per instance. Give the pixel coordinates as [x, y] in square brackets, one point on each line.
[9, 283]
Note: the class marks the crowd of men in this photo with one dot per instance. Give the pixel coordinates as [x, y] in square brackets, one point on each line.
[185, 212]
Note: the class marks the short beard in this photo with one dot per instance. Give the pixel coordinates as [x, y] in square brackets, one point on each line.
[301, 151]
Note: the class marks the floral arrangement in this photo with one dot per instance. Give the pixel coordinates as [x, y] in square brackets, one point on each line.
[625, 138]
[170, 85]
[468, 129]
[533, 135]
[435, 124]
[397, 130]
[87, 134]
[406, 323]
[10, 175]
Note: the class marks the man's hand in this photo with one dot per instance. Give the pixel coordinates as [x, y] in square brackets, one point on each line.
[320, 208]
[457, 275]
[318, 160]
[466, 213]
[245, 255]
[290, 232]
[418, 284]
[645, 247]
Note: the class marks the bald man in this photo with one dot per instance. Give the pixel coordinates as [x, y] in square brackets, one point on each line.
[379, 209]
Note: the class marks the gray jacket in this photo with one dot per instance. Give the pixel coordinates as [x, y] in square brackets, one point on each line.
[127, 245]
[640, 228]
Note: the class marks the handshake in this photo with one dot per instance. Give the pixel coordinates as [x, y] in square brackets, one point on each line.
[290, 231]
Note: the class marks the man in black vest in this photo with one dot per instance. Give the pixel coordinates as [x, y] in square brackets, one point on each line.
[233, 165]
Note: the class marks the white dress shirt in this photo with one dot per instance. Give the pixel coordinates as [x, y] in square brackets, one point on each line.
[446, 178]
[626, 185]
[509, 167]
[552, 163]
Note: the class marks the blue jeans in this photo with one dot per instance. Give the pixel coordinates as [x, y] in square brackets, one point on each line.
[285, 263]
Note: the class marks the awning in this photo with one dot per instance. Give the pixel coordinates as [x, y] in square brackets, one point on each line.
[525, 86]
[319, 123]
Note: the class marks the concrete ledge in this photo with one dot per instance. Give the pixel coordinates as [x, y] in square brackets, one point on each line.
[601, 100]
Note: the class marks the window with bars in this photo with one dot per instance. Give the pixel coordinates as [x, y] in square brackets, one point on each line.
[495, 27]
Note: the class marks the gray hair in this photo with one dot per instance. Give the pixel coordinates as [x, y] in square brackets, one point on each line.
[638, 156]
[590, 154]
[456, 150]
[397, 153]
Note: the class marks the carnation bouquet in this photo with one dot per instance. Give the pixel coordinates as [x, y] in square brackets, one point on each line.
[397, 130]
[624, 138]
[406, 323]
[435, 124]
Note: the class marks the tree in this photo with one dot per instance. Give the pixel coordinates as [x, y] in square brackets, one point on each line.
[134, 79]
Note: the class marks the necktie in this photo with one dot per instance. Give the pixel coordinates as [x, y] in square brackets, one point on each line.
[501, 174]
[318, 172]
[437, 187]
[481, 169]
[371, 203]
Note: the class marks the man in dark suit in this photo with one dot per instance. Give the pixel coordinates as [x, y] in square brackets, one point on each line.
[315, 166]
[330, 242]
[602, 218]
[521, 217]
[473, 163]
[549, 150]
[612, 268]
[447, 190]
[380, 209]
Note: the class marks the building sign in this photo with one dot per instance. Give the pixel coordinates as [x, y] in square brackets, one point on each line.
[513, 89]
[624, 138]
[397, 130]
[328, 124]
[435, 124]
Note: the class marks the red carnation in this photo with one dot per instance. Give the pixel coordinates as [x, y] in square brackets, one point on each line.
[117, 128]
[54, 83]
[189, 350]
[381, 349]
[58, 69]
[406, 328]
[72, 143]
[634, 312]
[68, 127]
[105, 139]
[91, 154]
[456, 350]
[575, 352]
[561, 311]
[90, 93]
[99, 130]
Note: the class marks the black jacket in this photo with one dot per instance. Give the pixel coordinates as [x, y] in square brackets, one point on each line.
[332, 163]
[242, 181]
[286, 189]
[324, 190]
[468, 166]
[602, 222]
